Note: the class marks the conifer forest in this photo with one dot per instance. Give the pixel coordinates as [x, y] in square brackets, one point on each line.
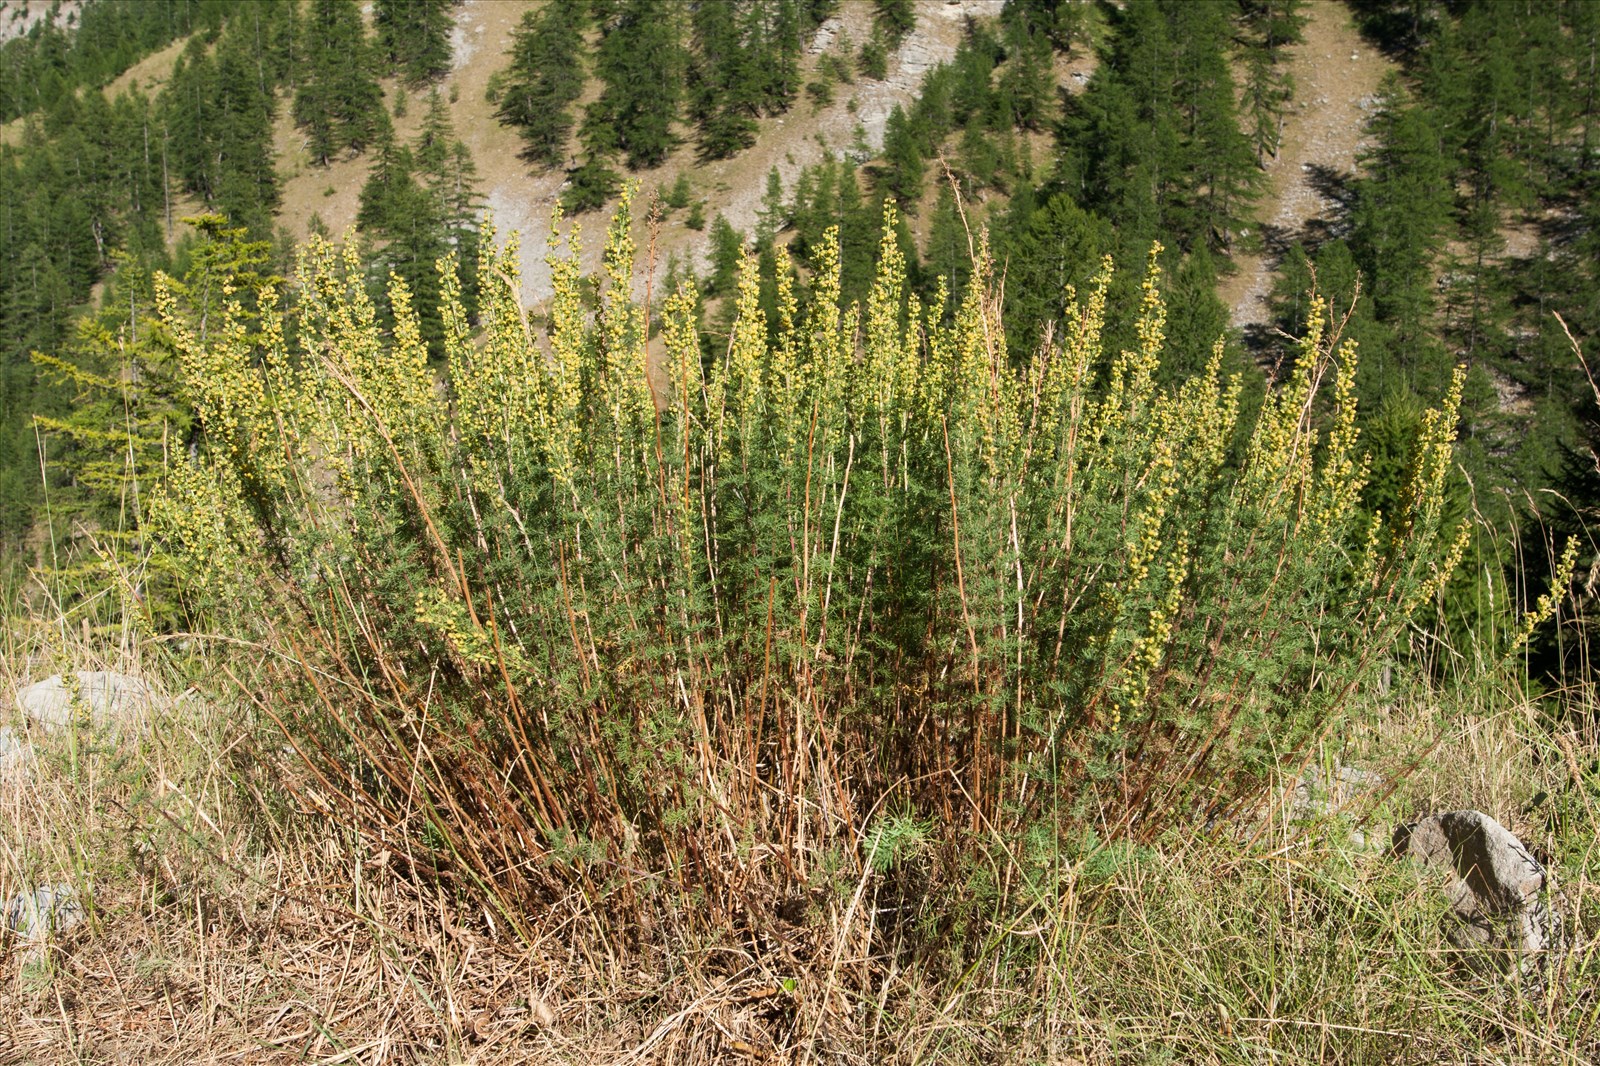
[799, 530]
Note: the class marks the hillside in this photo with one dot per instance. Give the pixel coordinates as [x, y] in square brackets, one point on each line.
[1055, 532]
[1336, 77]
[521, 199]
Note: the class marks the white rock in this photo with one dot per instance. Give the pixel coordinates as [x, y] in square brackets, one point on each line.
[47, 909]
[108, 699]
[15, 755]
[16, 758]
[1315, 797]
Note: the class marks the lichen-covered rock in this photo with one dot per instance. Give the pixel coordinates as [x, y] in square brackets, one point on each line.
[1495, 888]
[101, 698]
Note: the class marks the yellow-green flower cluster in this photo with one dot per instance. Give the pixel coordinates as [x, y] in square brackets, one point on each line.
[446, 615]
[1545, 607]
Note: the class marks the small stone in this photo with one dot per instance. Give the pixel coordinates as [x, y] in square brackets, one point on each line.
[14, 753]
[1316, 798]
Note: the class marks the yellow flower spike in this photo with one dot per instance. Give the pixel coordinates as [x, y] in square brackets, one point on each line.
[936, 372]
[747, 350]
[567, 344]
[828, 353]
[880, 378]
[1545, 607]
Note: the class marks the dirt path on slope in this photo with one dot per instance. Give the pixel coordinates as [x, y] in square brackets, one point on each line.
[1336, 77]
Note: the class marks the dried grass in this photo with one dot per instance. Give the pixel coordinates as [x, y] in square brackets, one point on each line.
[226, 929]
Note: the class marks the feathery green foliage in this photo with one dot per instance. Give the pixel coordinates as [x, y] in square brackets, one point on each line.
[569, 626]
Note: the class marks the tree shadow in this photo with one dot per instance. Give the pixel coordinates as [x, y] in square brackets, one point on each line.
[1398, 31]
[1337, 186]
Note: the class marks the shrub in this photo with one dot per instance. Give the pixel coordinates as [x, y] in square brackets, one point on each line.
[562, 627]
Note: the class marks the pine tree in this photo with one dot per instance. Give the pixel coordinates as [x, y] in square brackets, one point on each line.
[448, 173]
[858, 222]
[414, 37]
[219, 125]
[247, 190]
[726, 81]
[1154, 142]
[949, 254]
[421, 202]
[1222, 178]
[1061, 21]
[1027, 83]
[897, 18]
[727, 248]
[1402, 207]
[188, 106]
[1046, 249]
[781, 61]
[1271, 27]
[544, 80]
[773, 216]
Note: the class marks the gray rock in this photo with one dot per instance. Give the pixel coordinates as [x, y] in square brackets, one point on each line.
[1318, 795]
[47, 909]
[1495, 888]
[106, 698]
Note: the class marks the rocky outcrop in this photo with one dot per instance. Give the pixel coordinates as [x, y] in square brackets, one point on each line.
[1499, 916]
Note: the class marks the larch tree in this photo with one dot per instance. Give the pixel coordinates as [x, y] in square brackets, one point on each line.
[641, 61]
[414, 37]
[338, 100]
[544, 80]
